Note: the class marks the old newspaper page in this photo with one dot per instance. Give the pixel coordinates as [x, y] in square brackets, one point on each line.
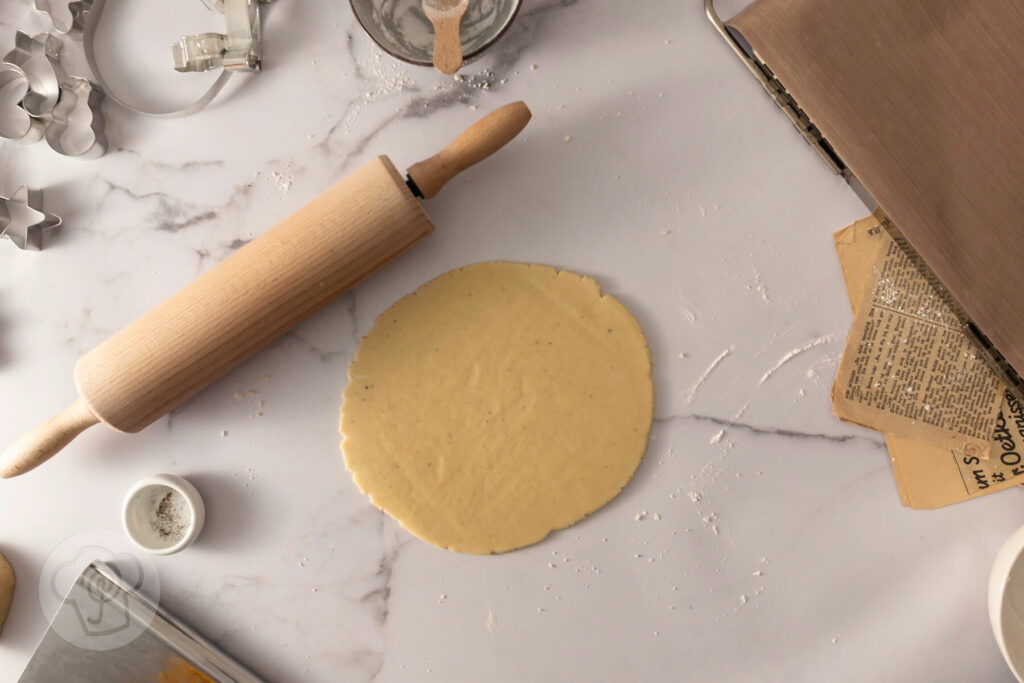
[927, 476]
[908, 369]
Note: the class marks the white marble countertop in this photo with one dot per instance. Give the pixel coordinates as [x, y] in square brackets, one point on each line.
[781, 552]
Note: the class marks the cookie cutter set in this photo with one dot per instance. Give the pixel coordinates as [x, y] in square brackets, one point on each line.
[40, 100]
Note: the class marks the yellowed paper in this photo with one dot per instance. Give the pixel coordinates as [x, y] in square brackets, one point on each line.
[908, 369]
[927, 476]
[857, 247]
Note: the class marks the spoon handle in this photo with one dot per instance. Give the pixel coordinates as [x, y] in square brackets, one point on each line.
[447, 43]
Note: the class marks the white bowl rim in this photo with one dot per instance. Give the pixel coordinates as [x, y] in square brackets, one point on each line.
[186, 490]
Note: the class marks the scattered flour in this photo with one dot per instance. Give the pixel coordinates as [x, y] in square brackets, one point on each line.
[762, 290]
[284, 179]
[707, 373]
[687, 309]
[826, 339]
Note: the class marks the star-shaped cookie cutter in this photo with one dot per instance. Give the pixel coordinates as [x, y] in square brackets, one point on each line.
[23, 221]
[38, 58]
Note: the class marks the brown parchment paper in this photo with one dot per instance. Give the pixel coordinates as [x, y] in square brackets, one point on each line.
[927, 476]
[923, 100]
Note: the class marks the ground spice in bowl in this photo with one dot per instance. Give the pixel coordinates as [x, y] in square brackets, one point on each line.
[163, 514]
[172, 517]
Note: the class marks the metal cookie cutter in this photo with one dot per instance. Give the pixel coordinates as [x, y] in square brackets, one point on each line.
[38, 58]
[240, 49]
[74, 134]
[78, 11]
[23, 221]
[64, 109]
[15, 123]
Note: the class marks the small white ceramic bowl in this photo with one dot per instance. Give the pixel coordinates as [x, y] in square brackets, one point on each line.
[163, 514]
[1006, 601]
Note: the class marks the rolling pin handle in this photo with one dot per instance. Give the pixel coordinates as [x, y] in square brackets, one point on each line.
[479, 141]
[46, 440]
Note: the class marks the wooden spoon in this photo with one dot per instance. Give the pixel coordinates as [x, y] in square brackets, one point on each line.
[446, 15]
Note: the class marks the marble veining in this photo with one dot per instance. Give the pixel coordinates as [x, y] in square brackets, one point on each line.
[753, 429]
[761, 539]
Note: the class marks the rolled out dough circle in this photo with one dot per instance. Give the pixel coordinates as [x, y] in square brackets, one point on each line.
[497, 403]
[6, 589]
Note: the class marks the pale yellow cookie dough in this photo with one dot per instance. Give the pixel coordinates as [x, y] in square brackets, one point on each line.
[496, 404]
[6, 589]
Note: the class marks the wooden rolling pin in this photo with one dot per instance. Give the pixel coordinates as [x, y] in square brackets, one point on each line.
[254, 296]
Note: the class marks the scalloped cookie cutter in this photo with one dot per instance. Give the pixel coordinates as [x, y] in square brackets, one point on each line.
[23, 221]
[78, 11]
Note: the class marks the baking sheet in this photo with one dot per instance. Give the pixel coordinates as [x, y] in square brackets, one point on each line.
[921, 100]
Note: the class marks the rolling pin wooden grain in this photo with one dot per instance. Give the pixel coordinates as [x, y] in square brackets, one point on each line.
[254, 296]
